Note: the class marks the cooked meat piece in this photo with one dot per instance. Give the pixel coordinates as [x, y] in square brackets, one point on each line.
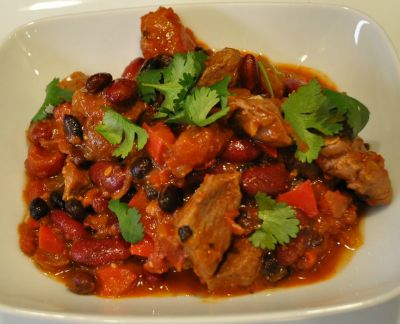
[261, 119]
[205, 215]
[363, 170]
[163, 33]
[75, 179]
[219, 65]
[240, 269]
[195, 147]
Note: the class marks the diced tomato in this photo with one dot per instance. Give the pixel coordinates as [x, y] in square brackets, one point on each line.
[144, 248]
[114, 280]
[27, 239]
[140, 201]
[160, 139]
[49, 241]
[159, 177]
[269, 150]
[32, 223]
[301, 197]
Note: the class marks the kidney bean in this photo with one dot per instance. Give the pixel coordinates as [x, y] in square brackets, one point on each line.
[51, 261]
[122, 92]
[271, 179]
[292, 84]
[240, 150]
[249, 73]
[44, 163]
[71, 229]
[81, 282]
[133, 69]
[41, 131]
[97, 82]
[158, 62]
[92, 252]
[100, 204]
[110, 177]
[72, 130]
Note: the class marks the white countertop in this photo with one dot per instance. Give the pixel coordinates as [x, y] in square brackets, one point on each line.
[14, 13]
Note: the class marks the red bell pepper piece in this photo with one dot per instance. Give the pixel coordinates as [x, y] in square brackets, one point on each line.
[301, 197]
[160, 139]
[143, 248]
[49, 241]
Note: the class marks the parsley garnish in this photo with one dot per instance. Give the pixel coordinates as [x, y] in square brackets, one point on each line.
[129, 221]
[54, 97]
[279, 223]
[183, 102]
[116, 129]
[311, 112]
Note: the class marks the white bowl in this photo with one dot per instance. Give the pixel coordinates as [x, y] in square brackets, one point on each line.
[346, 45]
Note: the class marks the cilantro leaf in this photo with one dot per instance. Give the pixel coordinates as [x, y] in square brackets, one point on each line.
[279, 223]
[178, 79]
[129, 221]
[357, 114]
[222, 90]
[116, 129]
[148, 94]
[266, 78]
[54, 97]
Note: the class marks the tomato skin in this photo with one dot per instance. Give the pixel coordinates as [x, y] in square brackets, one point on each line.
[301, 197]
[240, 150]
[270, 179]
[144, 248]
[43, 163]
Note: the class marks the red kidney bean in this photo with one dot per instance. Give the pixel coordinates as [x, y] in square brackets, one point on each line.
[122, 91]
[44, 163]
[108, 176]
[133, 69]
[249, 73]
[271, 179]
[240, 150]
[292, 84]
[71, 229]
[81, 282]
[97, 82]
[94, 252]
[100, 204]
[41, 131]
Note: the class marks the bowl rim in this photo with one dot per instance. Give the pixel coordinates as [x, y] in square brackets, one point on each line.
[295, 314]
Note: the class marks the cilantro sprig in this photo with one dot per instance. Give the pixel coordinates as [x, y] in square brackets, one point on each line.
[183, 101]
[54, 97]
[313, 112]
[129, 221]
[117, 129]
[279, 223]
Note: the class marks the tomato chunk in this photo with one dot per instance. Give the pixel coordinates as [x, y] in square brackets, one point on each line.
[301, 197]
[160, 139]
[114, 280]
[144, 248]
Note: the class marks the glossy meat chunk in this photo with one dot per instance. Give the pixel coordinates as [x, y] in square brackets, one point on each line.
[261, 119]
[240, 269]
[364, 171]
[219, 65]
[163, 33]
[206, 213]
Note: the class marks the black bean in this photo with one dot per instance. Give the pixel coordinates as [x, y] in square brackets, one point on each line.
[184, 232]
[141, 167]
[97, 82]
[56, 200]
[75, 209]
[129, 195]
[151, 192]
[272, 270]
[158, 62]
[38, 208]
[170, 198]
[81, 282]
[73, 130]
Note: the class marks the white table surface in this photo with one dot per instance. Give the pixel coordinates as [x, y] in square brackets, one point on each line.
[386, 13]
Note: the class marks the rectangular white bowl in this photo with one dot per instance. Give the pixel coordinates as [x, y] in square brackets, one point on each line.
[346, 45]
